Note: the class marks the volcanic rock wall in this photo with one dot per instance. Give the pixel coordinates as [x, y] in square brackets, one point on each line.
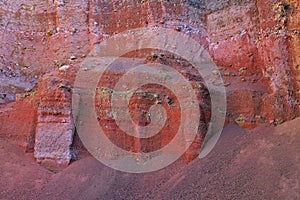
[254, 43]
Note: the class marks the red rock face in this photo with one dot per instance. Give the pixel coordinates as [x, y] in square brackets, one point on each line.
[147, 96]
[254, 43]
[18, 121]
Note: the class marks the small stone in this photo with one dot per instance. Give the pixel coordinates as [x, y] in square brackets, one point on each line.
[64, 87]
[170, 101]
[240, 120]
[226, 84]
[152, 56]
[178, 28]
[161, 22]
[64, 68]
[56, 62]
[254, 80]
[227, 74]
[73, 30]
[73, 58]
[2, 96]
[242, 70]
[216, 72]
[51, 32]
[28, 90]
[59, 2]
[161, 55]
[278, 122]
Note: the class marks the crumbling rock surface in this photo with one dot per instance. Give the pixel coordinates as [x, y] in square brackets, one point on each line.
[254, 43]
[55, 126]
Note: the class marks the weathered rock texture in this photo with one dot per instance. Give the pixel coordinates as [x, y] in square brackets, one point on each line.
[55, 126]
[18, 121]
[254, 43]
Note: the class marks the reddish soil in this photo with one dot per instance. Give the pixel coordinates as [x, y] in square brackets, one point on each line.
[260, 164]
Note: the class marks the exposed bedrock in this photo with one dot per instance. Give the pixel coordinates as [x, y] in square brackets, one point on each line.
[255, 44]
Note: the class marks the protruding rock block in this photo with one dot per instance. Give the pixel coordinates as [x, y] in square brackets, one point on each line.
[52, 144]
[55, 127]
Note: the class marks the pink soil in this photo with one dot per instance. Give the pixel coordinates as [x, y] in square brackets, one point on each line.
[260, 164]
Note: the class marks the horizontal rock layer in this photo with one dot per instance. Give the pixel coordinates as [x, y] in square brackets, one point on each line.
[254, 43]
